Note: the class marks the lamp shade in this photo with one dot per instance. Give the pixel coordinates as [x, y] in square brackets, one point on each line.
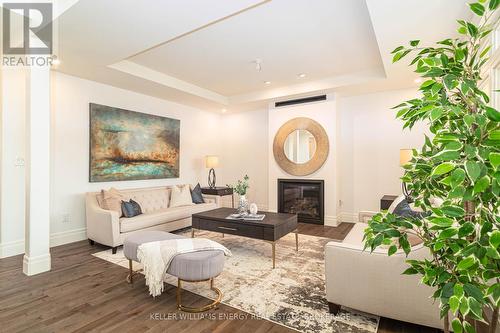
[211, 161]
[405, 156]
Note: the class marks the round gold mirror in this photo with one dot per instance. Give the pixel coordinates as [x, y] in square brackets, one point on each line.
[301, 146]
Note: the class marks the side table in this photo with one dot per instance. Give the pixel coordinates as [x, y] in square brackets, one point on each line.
[386, 201]
[220, 191]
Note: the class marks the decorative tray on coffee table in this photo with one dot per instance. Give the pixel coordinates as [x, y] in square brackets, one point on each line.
[246, 217]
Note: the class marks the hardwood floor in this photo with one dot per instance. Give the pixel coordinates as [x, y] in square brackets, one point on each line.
[83, 293]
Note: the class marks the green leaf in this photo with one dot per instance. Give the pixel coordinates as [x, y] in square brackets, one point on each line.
[477, 8]
[492, 114]
[493, 4]
[438, 245]
[436, 113]
[494, 135]
[403, 241]
[441, 221]
[450, 81]
[414, 43]
[495, 239]
[485, 51]
[457, 192]
[473, 291]
[410, 271]
[457, 177]
[469, 119]
[427, 84]
[466, 263]
[458, 290]
[397, 49]
[468, 327]
[475, 308]
[494, 158]
[448, 233]
[456, 325]
[393, 249]
[447, 290]
[447, 155]
[442, 169]
[454, 303]
[464, 306]
[466, 229]
[473, 170]
[482, 184]
[471, 29]
[454, 211]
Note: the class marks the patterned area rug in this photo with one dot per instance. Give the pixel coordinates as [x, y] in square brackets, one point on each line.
[292, 294]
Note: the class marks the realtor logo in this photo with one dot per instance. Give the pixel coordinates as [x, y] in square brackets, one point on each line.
[27, 28]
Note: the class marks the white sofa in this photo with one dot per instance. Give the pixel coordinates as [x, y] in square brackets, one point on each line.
[373, 283]
[108, 228]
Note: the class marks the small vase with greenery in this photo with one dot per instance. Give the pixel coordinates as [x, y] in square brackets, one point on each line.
[459, 164]
[241, 188]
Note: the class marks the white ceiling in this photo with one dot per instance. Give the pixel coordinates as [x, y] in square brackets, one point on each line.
[320, 38]
[200, 52]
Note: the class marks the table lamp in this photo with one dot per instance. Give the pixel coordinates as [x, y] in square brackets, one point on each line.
[405, 156]
[211, 162]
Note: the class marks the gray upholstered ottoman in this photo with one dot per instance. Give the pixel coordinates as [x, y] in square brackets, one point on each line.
[188, 267]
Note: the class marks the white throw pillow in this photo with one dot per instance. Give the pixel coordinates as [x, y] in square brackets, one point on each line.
[181, 196]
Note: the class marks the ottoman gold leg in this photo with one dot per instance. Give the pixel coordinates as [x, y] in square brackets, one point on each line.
[130, 276]
[296, 240]
[200, 309]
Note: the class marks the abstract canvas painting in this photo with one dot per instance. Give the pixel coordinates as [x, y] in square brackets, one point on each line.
[127, 145]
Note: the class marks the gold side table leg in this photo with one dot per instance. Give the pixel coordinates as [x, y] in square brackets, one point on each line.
[222, 235]
[296, 240]
[192, 232]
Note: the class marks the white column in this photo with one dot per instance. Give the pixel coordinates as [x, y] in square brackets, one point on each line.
[37, 256]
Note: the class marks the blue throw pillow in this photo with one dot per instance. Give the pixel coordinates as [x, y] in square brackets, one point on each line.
[403, 209]
[196, 195]
[131, 208]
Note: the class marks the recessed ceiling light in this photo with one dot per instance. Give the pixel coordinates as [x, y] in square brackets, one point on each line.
[302, 75]
[258, 64]
[267, 82]
[418, 80]
[223, 110]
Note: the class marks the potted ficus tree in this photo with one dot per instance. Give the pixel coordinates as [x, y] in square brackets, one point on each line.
[459, 163]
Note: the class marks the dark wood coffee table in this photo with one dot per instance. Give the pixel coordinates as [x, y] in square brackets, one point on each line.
[271, 229]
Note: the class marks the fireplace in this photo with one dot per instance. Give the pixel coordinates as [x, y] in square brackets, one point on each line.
[303, 197]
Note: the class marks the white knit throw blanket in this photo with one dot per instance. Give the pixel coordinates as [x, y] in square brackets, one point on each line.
[157, 256]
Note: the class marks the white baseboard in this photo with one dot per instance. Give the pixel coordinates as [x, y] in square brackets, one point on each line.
[65, 237]
[331, 221]
[13, 248]
[36, 265]
[348, 217]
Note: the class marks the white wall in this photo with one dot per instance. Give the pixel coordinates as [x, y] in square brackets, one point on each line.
[13, 153]
[371, 138]
[325, 114]
[244, 138]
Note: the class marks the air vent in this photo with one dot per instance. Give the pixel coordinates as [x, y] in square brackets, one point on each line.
[300, 101]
